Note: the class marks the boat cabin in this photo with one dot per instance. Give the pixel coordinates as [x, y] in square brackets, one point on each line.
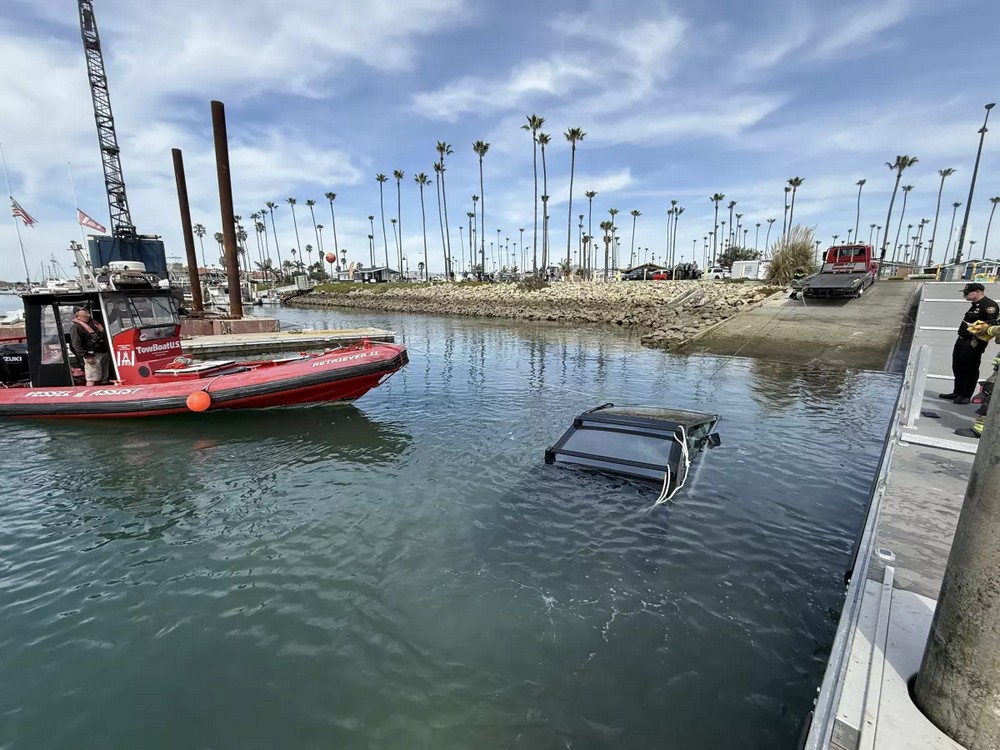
[141, 326]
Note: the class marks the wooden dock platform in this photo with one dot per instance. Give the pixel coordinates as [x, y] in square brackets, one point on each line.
[283, 341]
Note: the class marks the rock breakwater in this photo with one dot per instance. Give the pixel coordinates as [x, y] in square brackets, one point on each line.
[669, 312]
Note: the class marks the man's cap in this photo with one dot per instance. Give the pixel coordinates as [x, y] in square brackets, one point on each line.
[77, 308]
[973, 288]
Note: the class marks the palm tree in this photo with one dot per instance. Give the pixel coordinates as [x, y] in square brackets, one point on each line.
[716, 199]
[399, 175]
[857, 218]
[422, 182]
[312, 212]
[219, 239]
[902, 162]
[944, 173]
[333, 218]
[906, 193]
[200, 231]
[309, 254]
[475, 224]
[606, 228]
[871, 233]
[756, 239]
[794, 183]
[295, 261]
[784, 225]
[678, 210]
[986, 240]
[613, 212]
[533, 125]
[574, 136]
[381, 179]
[543, 140]
[271, 205]
[767, 238]
[480, 148]
[590, 194]
[731, 206]
[444, 247]
[443, 150]
[291, 202]
[395, 238]
[635, 215]
[471, 215]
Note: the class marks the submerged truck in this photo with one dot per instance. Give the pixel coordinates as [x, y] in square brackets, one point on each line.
[847, 271]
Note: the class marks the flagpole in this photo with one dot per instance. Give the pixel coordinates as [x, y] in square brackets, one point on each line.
[10, 194]
[76, 202]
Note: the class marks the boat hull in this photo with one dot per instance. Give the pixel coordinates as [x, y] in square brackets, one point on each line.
[333, 377]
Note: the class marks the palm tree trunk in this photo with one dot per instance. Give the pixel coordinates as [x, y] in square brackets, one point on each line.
[336, 247]
[447, 227]
[631, 252]
[715, 234]
[606, 246]
[791, 211]
[857, 217]
[482, 212]
[937, 212]
[312, 213]
[534, 242]
[899, 229]
[986, 239]
[423, 219]
[295, 223]
[545, 215]
[888, 217]
[399, 222]
[590, 230]
[569, 215]
[444, 247]
[767, 238]
[670, 219]
[673, 243]
[277, 247]
[730, 235]
[385, 239]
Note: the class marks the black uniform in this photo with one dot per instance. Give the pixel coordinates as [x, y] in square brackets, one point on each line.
[968, 352]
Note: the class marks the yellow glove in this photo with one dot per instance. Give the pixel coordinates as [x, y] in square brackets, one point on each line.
[982, 330]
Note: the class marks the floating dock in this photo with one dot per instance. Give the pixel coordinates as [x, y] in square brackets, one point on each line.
[283, 341]
[864, 700]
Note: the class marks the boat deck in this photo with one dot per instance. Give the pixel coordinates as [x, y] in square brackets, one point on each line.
[284, 341]
[864, 701]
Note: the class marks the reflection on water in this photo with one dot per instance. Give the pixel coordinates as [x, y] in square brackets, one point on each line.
[409, 573]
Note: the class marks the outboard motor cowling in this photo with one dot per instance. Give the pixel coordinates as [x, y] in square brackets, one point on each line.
[14, 364]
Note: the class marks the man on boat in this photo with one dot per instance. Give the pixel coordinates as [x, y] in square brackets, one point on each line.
[89, 343]
[968, 352]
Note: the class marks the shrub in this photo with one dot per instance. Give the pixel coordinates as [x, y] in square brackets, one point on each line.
[791, 253]
[532, 284]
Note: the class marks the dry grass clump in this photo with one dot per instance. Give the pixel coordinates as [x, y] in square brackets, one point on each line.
[792, 253]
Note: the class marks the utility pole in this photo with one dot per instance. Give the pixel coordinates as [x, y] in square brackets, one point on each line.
[972, 185]
[956, 684]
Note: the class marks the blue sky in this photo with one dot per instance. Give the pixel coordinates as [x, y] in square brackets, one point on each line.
[679, 100]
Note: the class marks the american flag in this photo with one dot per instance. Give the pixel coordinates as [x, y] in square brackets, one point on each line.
[20, 213]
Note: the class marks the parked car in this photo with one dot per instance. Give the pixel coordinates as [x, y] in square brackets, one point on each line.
[662, 276]
[639, 274]
[716, 272]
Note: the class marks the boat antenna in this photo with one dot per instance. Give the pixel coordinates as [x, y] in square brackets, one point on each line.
[84, 270]
[17, 227]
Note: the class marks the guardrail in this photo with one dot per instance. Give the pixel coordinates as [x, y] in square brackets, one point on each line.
[905, 412]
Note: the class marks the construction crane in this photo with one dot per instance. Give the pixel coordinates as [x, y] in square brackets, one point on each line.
[121, 220]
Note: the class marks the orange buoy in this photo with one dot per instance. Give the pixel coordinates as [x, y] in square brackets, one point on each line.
[199, 401]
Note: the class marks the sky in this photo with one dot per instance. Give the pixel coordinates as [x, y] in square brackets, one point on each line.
[678, 100]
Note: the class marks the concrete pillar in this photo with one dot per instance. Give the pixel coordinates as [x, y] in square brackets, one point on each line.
[958, 686]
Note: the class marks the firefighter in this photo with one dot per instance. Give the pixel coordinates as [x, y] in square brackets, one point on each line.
[967, 354]
[983, 332]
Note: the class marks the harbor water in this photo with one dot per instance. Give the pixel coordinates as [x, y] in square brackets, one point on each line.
[406, 572]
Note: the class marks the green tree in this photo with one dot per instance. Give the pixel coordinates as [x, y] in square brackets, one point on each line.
[902, 213]
[734, 253]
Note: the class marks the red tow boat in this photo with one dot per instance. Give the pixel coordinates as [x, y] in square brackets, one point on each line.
[151, 376]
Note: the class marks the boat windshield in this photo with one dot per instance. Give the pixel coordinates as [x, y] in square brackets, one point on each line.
[125, 311]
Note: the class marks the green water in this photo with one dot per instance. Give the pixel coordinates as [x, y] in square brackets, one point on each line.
[407, 573]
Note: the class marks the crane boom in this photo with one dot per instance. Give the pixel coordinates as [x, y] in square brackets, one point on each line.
[114, 181]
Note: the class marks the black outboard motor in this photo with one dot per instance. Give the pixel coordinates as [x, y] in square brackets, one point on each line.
[14, 364]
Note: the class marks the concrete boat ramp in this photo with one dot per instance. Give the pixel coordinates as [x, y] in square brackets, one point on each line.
[864, 700]
[280, 341]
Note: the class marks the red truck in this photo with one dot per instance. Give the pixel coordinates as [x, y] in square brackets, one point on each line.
[847, 271]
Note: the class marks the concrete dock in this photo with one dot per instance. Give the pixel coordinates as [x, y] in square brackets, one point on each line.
[283, 341]
[864, 701]
[855, 333]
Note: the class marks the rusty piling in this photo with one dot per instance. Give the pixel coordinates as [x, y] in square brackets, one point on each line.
[192, 258]
[226, 206]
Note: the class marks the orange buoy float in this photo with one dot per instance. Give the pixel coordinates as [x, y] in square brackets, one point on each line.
[199, 401]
